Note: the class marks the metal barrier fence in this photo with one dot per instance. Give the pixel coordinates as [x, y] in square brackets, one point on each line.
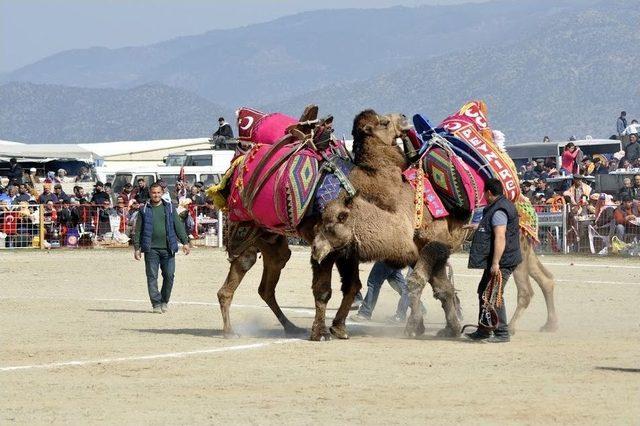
[561, 229]
[89, 225]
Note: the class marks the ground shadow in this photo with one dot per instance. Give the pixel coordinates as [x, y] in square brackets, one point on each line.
[127, 311]
[620, 369]
[204, 332]
[208, 332]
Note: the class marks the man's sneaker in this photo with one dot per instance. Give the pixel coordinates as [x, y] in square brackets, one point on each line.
[358, 317]
[164, 307]
[499, 339]
[396, 319]
[477, 335]
[157, 309]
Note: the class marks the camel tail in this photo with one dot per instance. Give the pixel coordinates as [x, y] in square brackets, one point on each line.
[437, 254]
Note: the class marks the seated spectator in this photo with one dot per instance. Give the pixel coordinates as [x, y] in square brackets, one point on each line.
[104, 217]
[51, 177]
[613, 165]
[4, 196]
[83, 175]
[539, 168]
[577, 190]
[624, 164]
[599, 168]
[12, 191]
[529, 173]
[62, 176]
[626, 189]
[625, 217]
[47, 195]
[632, 149]
[60, 194]
[23, 194]
[99, 195]
[543, 189]
[635, 189]
[15, 171]
[81, 196]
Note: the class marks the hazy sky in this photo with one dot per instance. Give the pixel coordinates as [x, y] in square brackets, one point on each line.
[33, 29]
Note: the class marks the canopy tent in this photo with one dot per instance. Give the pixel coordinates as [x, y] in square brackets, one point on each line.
[43, 153]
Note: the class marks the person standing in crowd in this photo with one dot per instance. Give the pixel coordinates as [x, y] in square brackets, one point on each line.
[577, 190]
[496, 249]
[126, 192]
[105, 211]
[634, 127]
[632, 149]
[635, 190]
[625, 217]
[99, 195]
[15, 172]
[141, 192]
[47, 195]
[570, 158]
[158, 230]
[598, 167]
[529, 173]
[621, 124]
[132, 215]
[196, 196]
[543, 189]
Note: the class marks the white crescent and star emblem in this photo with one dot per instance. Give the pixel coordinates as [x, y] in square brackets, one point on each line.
[248, 124]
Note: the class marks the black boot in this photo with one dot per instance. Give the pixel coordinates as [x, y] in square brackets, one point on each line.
[480, 334]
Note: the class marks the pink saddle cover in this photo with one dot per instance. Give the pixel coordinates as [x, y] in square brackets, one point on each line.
[259, 127]
[282, 201]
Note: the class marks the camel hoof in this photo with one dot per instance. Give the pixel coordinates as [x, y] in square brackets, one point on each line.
[231, 335]
[320, 337]
[414, 329]
[294, 331]
[448, 332]
[339, 331]
[549, 327]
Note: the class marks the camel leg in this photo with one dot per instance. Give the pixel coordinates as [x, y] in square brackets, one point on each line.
[321, 287]
[544, 278]
[444, 291]
[239, 267]
[274, 257]
[416, 282]
[351, 285]
[525, 293]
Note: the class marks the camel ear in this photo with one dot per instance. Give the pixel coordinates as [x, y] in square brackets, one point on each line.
[342, 217]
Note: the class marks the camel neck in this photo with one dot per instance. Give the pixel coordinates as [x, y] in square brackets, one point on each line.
[378, 156]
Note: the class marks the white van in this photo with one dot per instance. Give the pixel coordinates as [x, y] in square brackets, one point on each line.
[207, 175]
[219, 159]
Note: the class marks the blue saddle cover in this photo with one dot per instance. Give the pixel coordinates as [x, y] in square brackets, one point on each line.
[329, 186]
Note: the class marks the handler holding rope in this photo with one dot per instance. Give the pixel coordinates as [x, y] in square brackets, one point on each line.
[496, 249]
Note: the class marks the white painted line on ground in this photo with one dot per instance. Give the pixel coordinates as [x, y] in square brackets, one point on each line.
[559, 280]
[147, 357]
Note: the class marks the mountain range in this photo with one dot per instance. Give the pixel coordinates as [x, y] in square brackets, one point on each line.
[544, 67]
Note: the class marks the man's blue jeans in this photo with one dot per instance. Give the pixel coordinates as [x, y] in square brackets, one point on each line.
[379, 273]
[166, 261]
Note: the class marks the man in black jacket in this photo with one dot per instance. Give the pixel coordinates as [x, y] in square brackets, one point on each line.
[15, 172]
[223, 134]
[496, 249]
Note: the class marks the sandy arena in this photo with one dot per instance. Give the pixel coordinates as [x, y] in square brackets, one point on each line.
[86, 350]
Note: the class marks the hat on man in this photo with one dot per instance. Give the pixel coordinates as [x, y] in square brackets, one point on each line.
[33, 169]
[99, 184]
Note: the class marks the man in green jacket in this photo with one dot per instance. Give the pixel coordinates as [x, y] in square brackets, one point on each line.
[158, 229]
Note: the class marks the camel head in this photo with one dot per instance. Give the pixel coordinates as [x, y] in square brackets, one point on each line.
[335, 230]
[374, 129]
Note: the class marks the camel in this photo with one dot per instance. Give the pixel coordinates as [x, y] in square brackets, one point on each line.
[246, 239]
[376, 232]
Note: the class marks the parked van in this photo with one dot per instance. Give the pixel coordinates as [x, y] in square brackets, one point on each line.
[219, 159]
[207, 175]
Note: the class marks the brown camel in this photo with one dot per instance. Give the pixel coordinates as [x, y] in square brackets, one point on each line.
[376, 232]
[246, 239]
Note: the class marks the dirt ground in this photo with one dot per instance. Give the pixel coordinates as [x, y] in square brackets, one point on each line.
[79, 324]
